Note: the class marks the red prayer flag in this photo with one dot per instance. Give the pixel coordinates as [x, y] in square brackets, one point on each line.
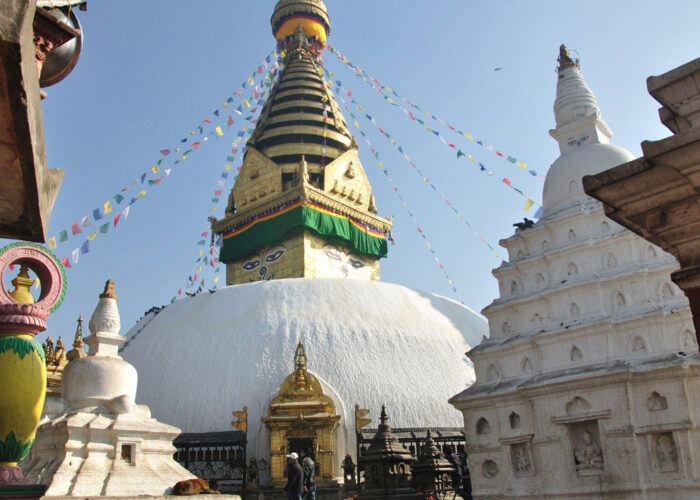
[179, 292]
[75, 228]
[205, 121]
[499, 154]
[229, 122]
[506, 181]
[65, 262]
[158, 180]
[195, 145]
[216, 193]
[165, 152]
[116, 219]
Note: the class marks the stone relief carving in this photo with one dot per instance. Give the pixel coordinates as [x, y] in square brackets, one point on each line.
[666, 292]
[576, 354]
[651, 253]
[540, 280]
[514, 420]
[638, 345]
[605, 226]
[573, 187]
[522, 463]
[492, 373]
[489, 469]
[666, 452]
[656, 402]
[620, 300]
[688, 339]
[610, 261]
[483, 426]
[527, 365]
[571, 269]
[506, 328]
[513, 287]
[577, 405]
[587, 451]
[572, 235]
[574, 310]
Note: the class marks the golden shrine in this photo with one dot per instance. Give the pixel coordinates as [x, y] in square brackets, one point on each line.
[302, 205]
[301, 416]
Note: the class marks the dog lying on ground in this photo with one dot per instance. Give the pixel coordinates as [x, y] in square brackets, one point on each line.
[192, 487]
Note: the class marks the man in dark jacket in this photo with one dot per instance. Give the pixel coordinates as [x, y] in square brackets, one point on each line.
[308, 465]
[295, 478]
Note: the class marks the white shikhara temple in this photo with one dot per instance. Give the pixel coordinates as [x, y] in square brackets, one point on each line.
[589, 383]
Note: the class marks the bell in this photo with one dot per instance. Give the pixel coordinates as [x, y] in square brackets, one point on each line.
[61, 61]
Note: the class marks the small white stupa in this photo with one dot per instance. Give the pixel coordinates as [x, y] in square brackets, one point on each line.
[104, 444]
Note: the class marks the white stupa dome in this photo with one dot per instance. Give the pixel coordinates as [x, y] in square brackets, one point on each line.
[563, 185]
[368, 343]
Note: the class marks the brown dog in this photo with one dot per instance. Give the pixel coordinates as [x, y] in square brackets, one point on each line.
[192, 487]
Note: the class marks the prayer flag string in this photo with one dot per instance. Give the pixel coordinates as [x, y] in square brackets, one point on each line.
[247, 129]
[375, 84]
[415, 168]
[256, 97]
[529, 202]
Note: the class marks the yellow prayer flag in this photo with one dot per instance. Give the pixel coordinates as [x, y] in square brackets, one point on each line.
[108, 208]
[155, 169]
[142, 193]
[380, 164]
[92, 236]
[471, 158]
[360, 108]
[199, 268]
[283, 53]
[528, 204]
[522, 165]
[247, 104]
[213, 209]
[224, 105]
[227, 167]
[52, 242]
[219, 131]
[357, 125]
[468, 136]
[37, 284]
[216, 280]
[324, 98]
[201, 252]
[251, 81]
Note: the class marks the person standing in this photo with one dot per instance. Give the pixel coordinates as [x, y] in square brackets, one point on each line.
[295, 478]
[308, 466]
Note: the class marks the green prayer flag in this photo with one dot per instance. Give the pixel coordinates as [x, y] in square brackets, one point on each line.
[420, 121]
[201, 242]
[215, 200]
[511, 159]
[459, 153]
[104, 228]
[63, 235]
[118, 198]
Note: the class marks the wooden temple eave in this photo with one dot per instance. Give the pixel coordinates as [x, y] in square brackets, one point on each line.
[305, 193]
[657, 196]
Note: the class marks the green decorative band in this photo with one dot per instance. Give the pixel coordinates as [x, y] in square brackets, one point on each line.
[13, 450]
[22, 347]
[293, 218]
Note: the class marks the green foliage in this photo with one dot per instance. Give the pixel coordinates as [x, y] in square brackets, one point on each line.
[22, 347]
[12, 450]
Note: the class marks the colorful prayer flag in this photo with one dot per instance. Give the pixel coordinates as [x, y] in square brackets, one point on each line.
[65, 262]
[528, 204]
[52, 243]
[75, 228]
[63, 235]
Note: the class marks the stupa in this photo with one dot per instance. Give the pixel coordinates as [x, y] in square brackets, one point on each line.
[103, 444]
[587, 386]
[302, 242]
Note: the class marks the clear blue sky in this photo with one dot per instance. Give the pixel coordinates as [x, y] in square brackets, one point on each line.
[152, 71]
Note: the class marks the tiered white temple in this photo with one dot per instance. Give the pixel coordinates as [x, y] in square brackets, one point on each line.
[590, 379]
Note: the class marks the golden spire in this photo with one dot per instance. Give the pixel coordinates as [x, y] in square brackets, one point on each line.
[300, 366]
[565, 60]
[77, 351]
[22, 283]
[109, 291]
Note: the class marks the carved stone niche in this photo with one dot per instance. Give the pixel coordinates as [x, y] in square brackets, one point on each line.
[521, 458]
[663, 452]
[587, 450]
[656, 402]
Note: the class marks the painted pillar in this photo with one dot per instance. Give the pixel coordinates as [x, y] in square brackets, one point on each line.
[22, 359]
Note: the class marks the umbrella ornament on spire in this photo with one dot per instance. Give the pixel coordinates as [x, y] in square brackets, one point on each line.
[298, 23]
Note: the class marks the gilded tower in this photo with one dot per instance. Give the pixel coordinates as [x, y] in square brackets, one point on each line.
[302, 205]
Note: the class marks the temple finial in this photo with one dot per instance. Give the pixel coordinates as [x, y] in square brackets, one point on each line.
[109, 291]
[77, 351]
[383, 416]
[565, 60]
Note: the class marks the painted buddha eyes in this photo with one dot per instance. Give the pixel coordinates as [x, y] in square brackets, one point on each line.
[251, 264]
[275, 256]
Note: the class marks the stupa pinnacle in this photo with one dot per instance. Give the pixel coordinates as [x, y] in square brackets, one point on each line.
[302, 205]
